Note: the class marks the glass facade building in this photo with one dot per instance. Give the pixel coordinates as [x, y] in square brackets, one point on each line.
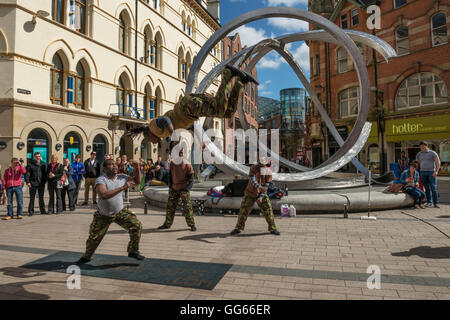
[293, 108]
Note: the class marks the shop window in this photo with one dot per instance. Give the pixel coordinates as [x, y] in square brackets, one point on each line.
[402, 40]
[439, 29]
[349, 102]
[421, 89]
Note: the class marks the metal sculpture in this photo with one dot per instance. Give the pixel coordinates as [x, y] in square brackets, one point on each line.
[330, 33]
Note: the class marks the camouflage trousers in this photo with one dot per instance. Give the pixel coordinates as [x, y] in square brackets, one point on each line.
[247, 207]
[100, 225]
[222, 105]
[172, 204]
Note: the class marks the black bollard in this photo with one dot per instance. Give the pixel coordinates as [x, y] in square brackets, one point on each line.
[345, 211]
[145, 207]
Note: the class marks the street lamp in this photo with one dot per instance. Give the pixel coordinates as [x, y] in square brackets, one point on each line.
[41, 14]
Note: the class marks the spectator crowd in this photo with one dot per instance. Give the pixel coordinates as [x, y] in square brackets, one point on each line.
[64, 179]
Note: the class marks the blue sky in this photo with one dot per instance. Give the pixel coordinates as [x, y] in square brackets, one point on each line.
[273, 73]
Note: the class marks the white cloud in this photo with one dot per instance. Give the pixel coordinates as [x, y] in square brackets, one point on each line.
[288, 24]
[262, 86]
[288, 3]
[301, 54]
[270, 61]
[250, 36]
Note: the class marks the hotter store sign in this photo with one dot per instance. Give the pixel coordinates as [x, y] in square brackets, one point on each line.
[436, 127]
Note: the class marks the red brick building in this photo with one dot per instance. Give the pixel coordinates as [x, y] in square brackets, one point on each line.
[409, 95]
[232, 45]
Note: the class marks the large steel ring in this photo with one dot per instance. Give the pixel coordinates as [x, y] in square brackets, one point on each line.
[357, 138]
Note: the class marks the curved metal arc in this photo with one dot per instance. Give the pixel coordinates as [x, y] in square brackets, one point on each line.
[310, 17]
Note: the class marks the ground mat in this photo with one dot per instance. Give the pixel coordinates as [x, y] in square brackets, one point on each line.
[199, 275]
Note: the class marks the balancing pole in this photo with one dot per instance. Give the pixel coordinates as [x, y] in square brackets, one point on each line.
[369, 217]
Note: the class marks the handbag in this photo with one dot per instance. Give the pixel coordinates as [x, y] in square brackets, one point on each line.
[395, 188]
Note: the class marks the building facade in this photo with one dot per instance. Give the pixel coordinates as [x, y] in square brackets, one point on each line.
[232, 45]
[409, 95]
[269, 117]
[77, 74]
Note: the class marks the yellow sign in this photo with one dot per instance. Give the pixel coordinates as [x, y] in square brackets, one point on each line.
[434, 127]
[71, 140]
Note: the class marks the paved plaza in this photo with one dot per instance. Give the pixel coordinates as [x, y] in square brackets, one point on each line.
[321, 256]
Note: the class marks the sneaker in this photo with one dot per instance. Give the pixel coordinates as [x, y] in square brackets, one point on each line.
[429, 205]
[275, 232]
[136, 256]
[193, 228]
[7, 218]
[163, 227]
[244, 76]
[83, 260]
[84, 204]
[436, 205]
[235, 231]
[19, 217]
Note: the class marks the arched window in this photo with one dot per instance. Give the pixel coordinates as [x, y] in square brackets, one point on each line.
[149, 106]
[79, 87]
[56, 80]
[421, 89]
[402, 40]
[342, 60]
[349, 102]
[439, 29]
[181, 64]
[122, 94]
[147, 45]
[157, 102]
[38, 141]
[58, 11]
[122, 34]
[158, 51]
[72, 146]
[79, 15]
[100, 146]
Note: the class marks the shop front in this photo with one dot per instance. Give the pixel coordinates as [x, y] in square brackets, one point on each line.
[406, 135]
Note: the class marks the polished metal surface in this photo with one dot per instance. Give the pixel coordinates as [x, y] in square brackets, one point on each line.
[333, 34]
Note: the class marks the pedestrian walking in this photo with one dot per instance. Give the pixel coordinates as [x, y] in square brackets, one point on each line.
[36, 178]
[92, 169]
[111, 209]
[54, 173]
[12, 184]
[69, 186]
[77, 176]
[429, 169]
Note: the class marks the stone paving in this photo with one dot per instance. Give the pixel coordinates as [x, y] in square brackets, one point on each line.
[316, 257]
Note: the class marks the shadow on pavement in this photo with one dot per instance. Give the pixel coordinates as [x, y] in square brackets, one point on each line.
[154, 230]
[61, 265]
[448, 217]
[426, 252]
[203, 237]
[21, 291]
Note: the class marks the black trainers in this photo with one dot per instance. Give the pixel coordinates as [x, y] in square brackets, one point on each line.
[136, 256]
[244, 76]
[235, 231]
[193, 228]
[163, 227]
[83, 260]
[275, 232]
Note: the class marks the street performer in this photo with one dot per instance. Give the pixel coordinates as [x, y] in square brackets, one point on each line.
[191, 107]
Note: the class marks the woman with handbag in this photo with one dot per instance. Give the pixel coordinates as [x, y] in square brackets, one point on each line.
[410, 180]
[54, 172]
[69, 186]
